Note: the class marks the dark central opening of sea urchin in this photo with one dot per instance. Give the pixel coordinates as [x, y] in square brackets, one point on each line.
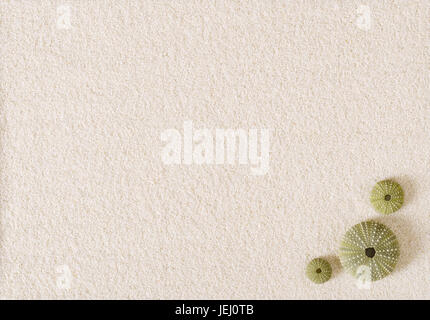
[318, 270]
[387, 197]
[370, 252]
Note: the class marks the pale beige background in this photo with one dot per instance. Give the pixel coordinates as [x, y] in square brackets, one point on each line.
[82, 110]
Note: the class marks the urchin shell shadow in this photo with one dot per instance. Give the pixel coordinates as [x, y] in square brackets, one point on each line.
[370, 244]
[334, 261]
[408, 187]
[410, 244]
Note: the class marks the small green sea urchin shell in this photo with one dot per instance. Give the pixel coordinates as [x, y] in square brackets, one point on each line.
[387, 196]
[370, 245]
[318, 270]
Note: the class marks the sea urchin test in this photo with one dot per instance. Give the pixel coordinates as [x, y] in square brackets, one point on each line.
[318, 270]
[387, 196]
[371, 245]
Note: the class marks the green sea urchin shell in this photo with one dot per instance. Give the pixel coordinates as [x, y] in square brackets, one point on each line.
[386, 196]
[369, 244]
[318, 270]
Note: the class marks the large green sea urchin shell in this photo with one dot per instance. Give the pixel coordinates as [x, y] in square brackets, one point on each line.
[370, 245]
[386, 196]
[318, 270]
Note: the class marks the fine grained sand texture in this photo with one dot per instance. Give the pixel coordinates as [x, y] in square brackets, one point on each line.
[89, 209]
